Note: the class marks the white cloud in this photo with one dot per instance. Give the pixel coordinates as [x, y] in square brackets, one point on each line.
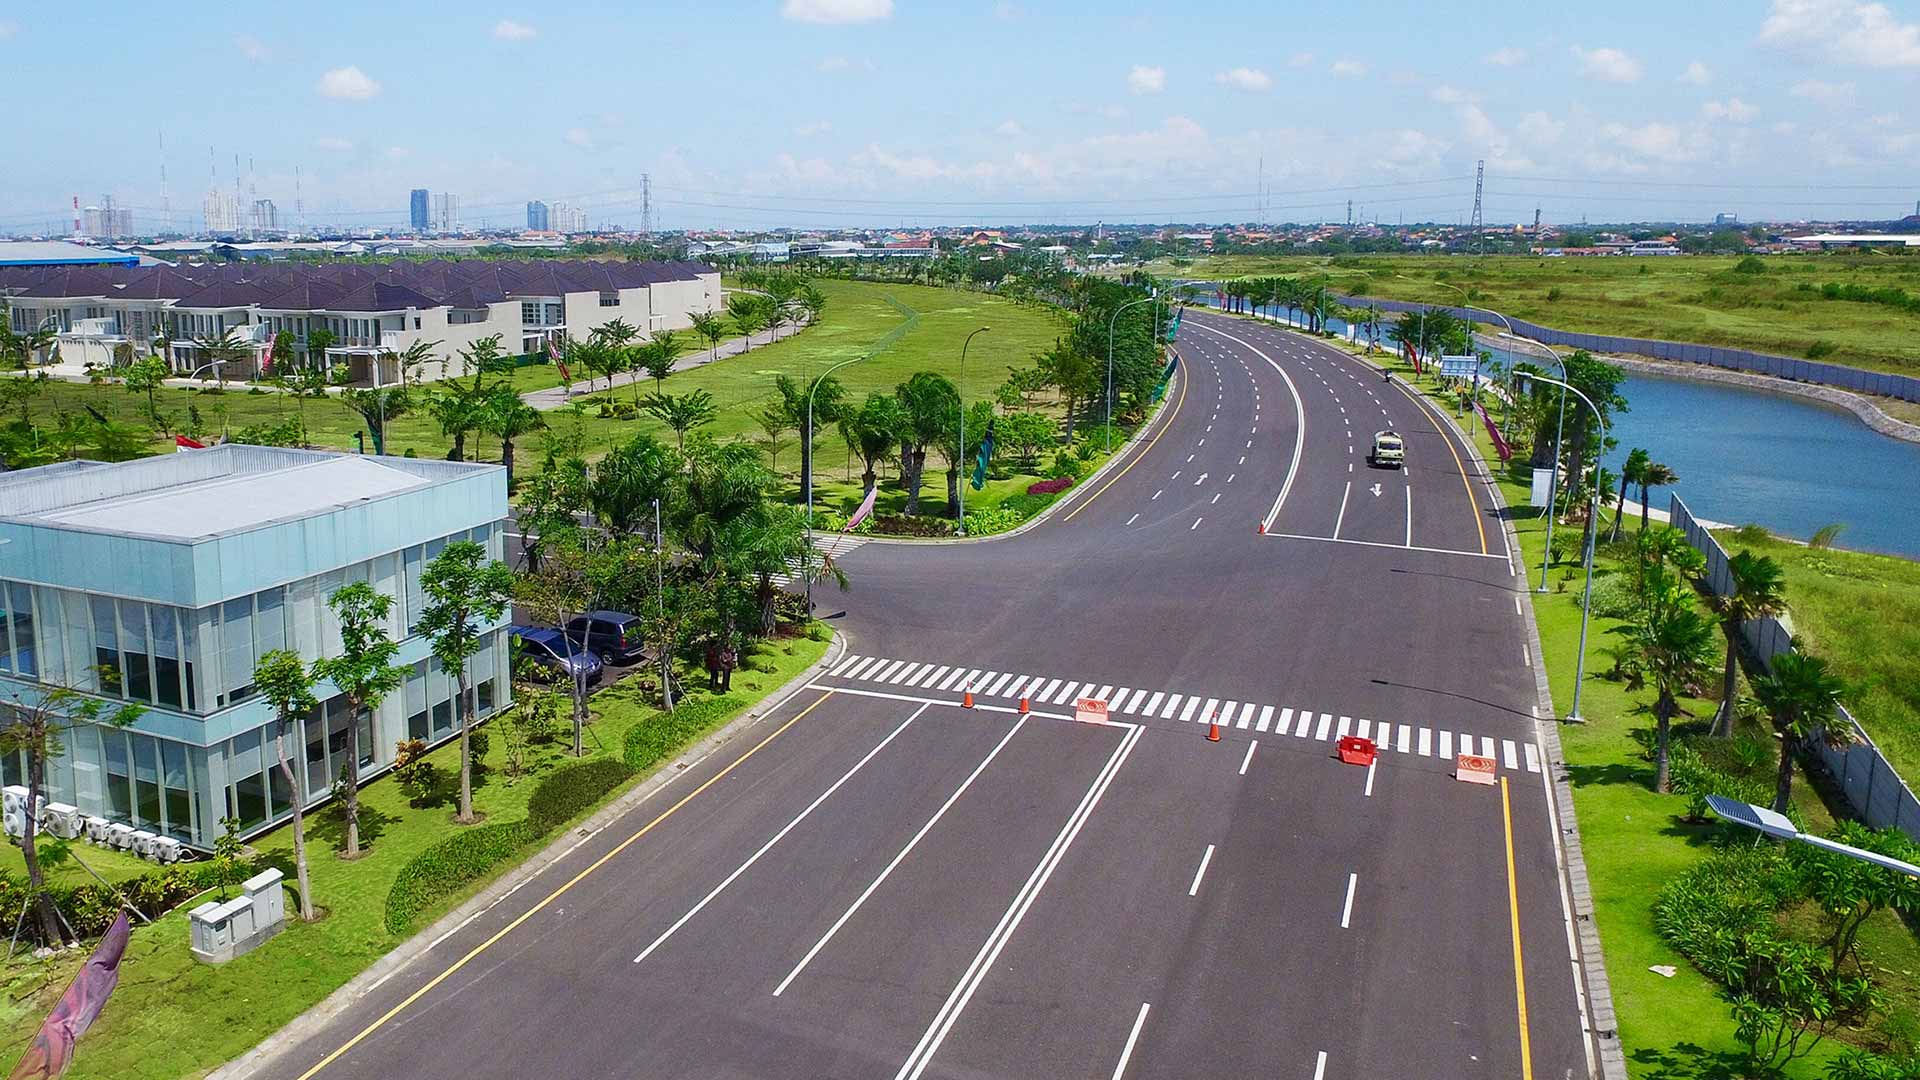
[1449, 95]
[250, 47]
[578, 137]
[1110, 112]
[508, 30]
[333, 144]
[1663, 143]
[832, 64]
[1507, 57]
[1147, 80]
[8, 29]
[1348, 68]
[818, 127]
[399, 153]
[348, 84]
[1607, 65]
[1785, 127]
[1696, 74]
[1539, 129]
[1010, 128]
[1243, 78]
[1824, 93]
[1008, 11]
[1843, 32]
[1731, 109]
[1300, 60]
[836, 11]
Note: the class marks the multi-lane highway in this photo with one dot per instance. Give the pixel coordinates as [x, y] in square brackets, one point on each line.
[877, 881]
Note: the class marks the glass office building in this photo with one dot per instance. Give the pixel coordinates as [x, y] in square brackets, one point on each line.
[162, 581]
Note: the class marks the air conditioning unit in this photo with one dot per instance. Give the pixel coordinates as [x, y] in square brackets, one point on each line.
[62, 820]
[13, 799]
[143, 843]
[120, 835]
[96, 829]
[167, 850]
[15, 822]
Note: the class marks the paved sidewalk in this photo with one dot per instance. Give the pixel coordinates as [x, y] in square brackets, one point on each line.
[557, 396]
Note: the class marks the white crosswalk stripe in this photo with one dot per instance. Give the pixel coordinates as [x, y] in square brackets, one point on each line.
[832, 545]
[1295, 721]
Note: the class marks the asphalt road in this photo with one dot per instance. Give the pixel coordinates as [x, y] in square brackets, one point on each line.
[877, 881]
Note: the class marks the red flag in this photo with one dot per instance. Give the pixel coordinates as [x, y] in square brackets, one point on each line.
[52, 1049]
[553, 351]
[183, 443]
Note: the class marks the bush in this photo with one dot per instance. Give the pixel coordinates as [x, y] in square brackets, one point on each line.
[1554, 295]
[1066, 466]
[1614, 598]
[90, 908]
[1049, 487]
[625, 411]
[567, 791]
[1820, 349]
[441, 870]
[1750, 265]
[998, 520]
[1029, 504]
[904, 525]
[653, 738]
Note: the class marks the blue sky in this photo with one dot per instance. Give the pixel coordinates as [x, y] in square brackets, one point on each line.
[904, 112]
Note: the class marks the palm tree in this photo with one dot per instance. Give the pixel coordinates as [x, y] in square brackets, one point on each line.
[318, 342]
[509, 417]
[1801, 697]
[930, 403]
[682, 412]
[722, 483]
[1673, 643]
[663, 347]
[1759, 591]
[1630, 471]
[1654, 475]
[873, 431]
[745, 311]
[708, 326]
[458, 409]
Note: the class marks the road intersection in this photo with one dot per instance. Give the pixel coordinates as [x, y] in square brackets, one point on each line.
[877, 880]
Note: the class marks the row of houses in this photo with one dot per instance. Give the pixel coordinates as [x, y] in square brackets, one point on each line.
[373, 312]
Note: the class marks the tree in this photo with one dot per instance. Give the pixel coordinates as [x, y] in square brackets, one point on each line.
[775, 421]
[930, 404]
[1073, 372]
[745, 309]
[365, 673]
[811, 301]
[1654, 475]
[711, 329]
[318, 342]
[958, 456]
[722, 483]
[682, 413]
[663, 348]
[284, 684]
[220, 351]
[1673, 642]
[465, 591]
[377, 405]
[828, 399]
[1759, 591]
[458, 408]
[39, 719]
[1026, 434]
[626, 482]
[478, 358]
[146, 376]
[1801, 697]
[1630, 472]
[553, 593]
[507, 416]
[873, 431]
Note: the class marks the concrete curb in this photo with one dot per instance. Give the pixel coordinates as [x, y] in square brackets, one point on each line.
[1146, 431]
[309, 1023]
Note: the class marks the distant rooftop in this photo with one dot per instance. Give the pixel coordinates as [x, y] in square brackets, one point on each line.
[201, 494]
[60, 253]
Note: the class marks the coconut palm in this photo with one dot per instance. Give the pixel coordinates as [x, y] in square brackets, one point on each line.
[874, 431]
[708, 326]
[1652, 476]
[662, 349]
[1802, 698]
[1630, 470]
[507, 416]
[1673, 643]
[745, 311]
[1759, 591]
[682, 412]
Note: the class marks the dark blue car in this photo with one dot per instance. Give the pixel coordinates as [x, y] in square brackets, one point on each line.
[551, 650]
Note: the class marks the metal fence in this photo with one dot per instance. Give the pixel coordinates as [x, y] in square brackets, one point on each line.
[1866, 778]
[1904, 387]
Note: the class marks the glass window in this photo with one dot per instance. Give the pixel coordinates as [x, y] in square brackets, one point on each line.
[113, 753]
[146, 780]
[176, 790]
[269, 621]
[236, 650]
[416, 600]
[24, 652]
[166, 656]
[484, 692]
[106, 645]
[367, 747]
[317, 778]
[249, 802]
[416, 702]
[135, 650]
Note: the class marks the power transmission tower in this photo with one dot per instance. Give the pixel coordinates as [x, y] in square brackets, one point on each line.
[1349, 213]
[646, 204]
[1536, 221]
[1479, 182]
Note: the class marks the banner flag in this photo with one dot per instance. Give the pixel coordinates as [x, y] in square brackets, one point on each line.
[51, 1050]
[866, 507]
[986, 455]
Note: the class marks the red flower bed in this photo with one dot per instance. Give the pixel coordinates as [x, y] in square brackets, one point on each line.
[1050, 487]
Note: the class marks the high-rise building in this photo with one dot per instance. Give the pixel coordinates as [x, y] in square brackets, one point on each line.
[537, 217]
[222, 212]
[417, 210]
[446, 212]
[106, 221]
[266, 216]
[567, 219]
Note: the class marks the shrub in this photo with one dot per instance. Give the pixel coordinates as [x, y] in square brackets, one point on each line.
[567, 791]
[1820, 349]
[1066, 466]
[412, 770]
[1554, 295]
[1750, 265]
[904, 525]
[625, 411]
[441, 870]
[1614, 598]
[653, 738]
[997, 520]
[90, 908]
[1049, 487]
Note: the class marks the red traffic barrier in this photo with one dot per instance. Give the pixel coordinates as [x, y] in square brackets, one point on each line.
[1473, 769]
[1355, 750]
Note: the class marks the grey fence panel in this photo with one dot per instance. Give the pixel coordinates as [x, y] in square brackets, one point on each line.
[1869, 782]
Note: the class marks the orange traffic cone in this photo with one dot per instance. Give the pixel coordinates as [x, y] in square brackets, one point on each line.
[1024, 708]
[967, 701]
[1213, 732]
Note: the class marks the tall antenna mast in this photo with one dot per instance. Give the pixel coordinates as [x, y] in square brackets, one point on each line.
[299, 208]
[239, 213]
[646, 204]
[1349, 213]
[253, 198]
[1479, 180]
[1260, 191]
[166, 211]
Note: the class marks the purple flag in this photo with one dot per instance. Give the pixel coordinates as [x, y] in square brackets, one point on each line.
[866, 507]
[52, 1049]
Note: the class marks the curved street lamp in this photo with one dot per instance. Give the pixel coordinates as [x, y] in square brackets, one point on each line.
[815, 385]
[1593, 529]
[1111, 323]
[961, 487]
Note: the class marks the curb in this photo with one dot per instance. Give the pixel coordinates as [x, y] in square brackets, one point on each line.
[1144, 432]
[310, 1022]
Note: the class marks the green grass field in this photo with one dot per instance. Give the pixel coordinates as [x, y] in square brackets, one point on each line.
[227, 1009]
[1691, 298]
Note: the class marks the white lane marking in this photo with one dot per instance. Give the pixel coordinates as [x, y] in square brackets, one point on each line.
[1346, 913]
[1326, 722]
[1526, 655]
[1133, 1036]
[926, 675]
[841, 668]
[1173, 702]
[1175, 476]
[1382, 733]
[777, 837]
[1446, 744]
[1364, 728]
[990, 951]
[994, 690]
[1243, 459]
[1426, 742]
[1202, 442]
[1189, 461]
[1215, 499]
[1486, 746]
[1346, 723]
[1249, 757]
[1157, 494]
[1186, 714]
[1048, 692]
[905, 673]
[1516, 606]
[1266, 718]
[1246, 715]
[855, 670]
[1371, 765]
[981, 681]
[897, 859]
[1067, 694]
[1194, 889]
[1409, 515]
[1196, 524]
[1337, 521]
[1533, 757]
[1406, 733]
[1508, 756]
[1103, 694]
[1152, 702]
[883, 676]
[952, 677]
[1133, 519]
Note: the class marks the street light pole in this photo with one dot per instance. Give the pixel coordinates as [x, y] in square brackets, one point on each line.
[808, 480]
[1111, 323]
[960, 487]
[1593, 518]
[660, 599]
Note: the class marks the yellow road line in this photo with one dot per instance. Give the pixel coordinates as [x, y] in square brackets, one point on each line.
[1513, 909]
[554, 895]
[1421, 404]
[1181, 400]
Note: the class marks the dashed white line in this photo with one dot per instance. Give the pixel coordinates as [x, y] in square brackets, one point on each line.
[1126, 1052]
[1346, 913]
[1133, 519]
[1196, 524]
[1194, 889]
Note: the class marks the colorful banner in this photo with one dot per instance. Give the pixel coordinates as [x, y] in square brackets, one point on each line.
[51, 1051]
[1493, 429]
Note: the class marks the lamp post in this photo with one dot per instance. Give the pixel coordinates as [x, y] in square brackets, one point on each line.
[808, 480]
[660, 599]
[961, 487]
[1111, 323]
[1593, 520]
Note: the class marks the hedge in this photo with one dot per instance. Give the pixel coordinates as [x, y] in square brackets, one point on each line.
[442, 869]
[652, 739]
[90, 907]
[569, 790]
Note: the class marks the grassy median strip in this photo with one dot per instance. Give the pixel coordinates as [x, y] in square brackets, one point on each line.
[173, 1016]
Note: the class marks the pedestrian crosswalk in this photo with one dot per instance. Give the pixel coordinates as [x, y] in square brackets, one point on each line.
[1297, 720]
[831, 545]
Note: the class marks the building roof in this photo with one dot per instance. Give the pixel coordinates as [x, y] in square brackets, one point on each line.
[201, 494]
[60, 253]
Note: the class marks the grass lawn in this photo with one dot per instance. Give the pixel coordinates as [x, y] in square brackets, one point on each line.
[1635, 840]
[108, 863]
[175, 1017]
[1694, 298]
